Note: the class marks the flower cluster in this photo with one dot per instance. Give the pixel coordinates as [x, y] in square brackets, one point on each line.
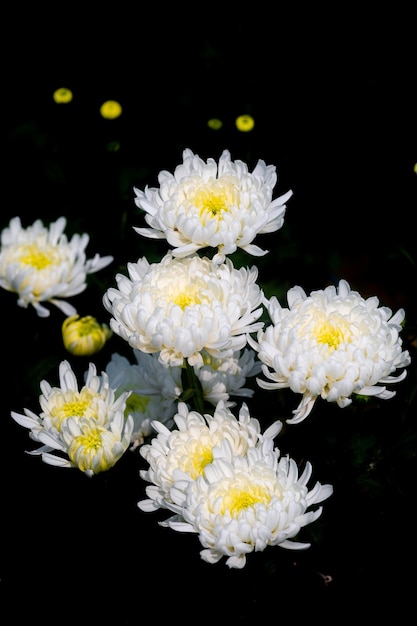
[197, 327]
[83, 428]
[225, 480]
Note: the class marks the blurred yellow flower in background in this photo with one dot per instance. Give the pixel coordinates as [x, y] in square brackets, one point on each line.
[111, 109]
[214, 123]
[62, 95]
[245, 123]
[84, 336]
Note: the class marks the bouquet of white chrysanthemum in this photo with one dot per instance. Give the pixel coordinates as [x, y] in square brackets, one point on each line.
[196, 325]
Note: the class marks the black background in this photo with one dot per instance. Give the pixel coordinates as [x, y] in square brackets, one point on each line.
[333, 97]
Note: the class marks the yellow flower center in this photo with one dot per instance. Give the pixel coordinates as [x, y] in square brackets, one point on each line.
[239, 498]
[201, 455]
[209, 203]
[185, 299]
[35, 257]
[91, 442]
[77, 407]
[332, 334]
[88, 448]
[215, 199]
[184, 293]
[74, 405]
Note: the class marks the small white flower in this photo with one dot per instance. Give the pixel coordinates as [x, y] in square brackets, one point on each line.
[40, 264]
[188, 449]
[87, 426]
[222, 378]
[331, 344]
[154, 390]
[180, 307]
[205, 204]
[243, 503]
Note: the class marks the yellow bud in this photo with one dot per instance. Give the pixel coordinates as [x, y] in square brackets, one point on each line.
[214, 123]
[110, 109]
[62, 95]
[84, 336]
[245, 123]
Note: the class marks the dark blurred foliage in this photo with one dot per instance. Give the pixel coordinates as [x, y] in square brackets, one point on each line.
[334, 104]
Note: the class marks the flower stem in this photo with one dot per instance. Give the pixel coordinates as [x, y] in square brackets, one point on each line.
[192, 390]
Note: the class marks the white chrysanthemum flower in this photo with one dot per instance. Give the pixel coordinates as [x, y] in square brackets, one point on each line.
[190, 448]
[41, 265]
[331, 344]
[222, 378]
[179, 307]
[83, 414]
[154, 390]
[221, 206]
[92, 448]
[243, 503]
